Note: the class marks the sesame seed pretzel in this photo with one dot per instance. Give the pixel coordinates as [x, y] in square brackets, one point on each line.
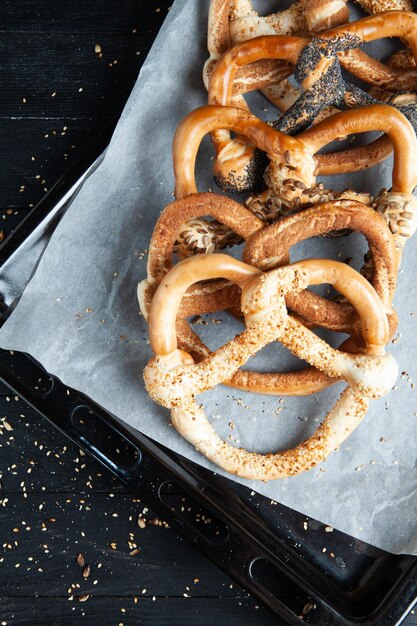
[173, 380]
[271, 246]
[318, 69]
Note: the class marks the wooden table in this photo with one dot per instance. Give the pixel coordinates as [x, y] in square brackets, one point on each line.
[67, 69]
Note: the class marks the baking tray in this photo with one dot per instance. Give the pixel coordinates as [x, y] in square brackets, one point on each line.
[286, 560]
[302, 573]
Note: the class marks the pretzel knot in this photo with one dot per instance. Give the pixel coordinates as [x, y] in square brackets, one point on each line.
[174, 380]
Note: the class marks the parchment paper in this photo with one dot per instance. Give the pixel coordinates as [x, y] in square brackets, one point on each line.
[79, 315]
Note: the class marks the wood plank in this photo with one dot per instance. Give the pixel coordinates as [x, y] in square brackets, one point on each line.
[89, 16]
[42, 534]
[125, 612]
[41, 132]
[35, 153]
[43, 64]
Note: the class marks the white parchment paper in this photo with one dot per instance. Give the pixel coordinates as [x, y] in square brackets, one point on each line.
[79, 315]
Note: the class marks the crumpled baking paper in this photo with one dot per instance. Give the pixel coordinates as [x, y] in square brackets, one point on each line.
[79, 315]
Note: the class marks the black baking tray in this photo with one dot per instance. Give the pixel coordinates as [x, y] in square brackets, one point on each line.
[286, 560]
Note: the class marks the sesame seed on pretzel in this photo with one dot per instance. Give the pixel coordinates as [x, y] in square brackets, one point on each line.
[174, 380]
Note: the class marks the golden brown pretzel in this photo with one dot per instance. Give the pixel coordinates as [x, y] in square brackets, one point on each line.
[161, 248]
[270, 247]
[291, 175]
[219, 295]
[221, 92]
[173, 380]
[231, 21]
[323, 89]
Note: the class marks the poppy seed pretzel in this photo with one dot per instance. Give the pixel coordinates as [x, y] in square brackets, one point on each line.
[234, 21]
[173, 380]
[302, 16]
[318, 70]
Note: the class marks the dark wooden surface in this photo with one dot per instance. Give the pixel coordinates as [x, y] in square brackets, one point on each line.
[57, 91]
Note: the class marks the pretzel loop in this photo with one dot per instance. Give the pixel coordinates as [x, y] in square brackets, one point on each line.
[173, 380]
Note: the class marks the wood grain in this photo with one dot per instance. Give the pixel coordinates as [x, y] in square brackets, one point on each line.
[147, 611]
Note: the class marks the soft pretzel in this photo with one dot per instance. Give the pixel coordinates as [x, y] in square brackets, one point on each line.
[270, 247]
[234, 21]
[318, 70]
[231, 21]
[291, 174]
[242, 224]
[173, 379]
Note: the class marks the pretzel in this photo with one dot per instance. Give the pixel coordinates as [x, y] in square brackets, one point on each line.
[293, 161]
[227, 212]
[217, 295]
[317, 68]
[234, 21]
[270, 247]
[173, 380]
[302, 16]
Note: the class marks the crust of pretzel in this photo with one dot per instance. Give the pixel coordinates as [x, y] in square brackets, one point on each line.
[354, 159]
[271, 247]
